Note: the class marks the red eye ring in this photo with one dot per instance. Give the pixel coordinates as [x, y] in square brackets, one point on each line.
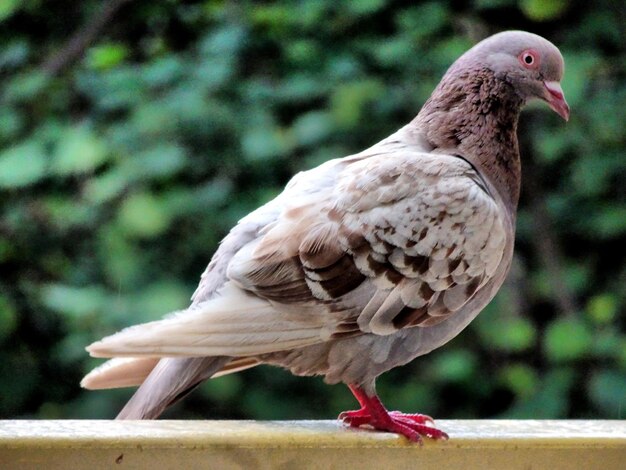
[529, 59]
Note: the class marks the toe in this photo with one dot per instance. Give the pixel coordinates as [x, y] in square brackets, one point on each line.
[416, 417]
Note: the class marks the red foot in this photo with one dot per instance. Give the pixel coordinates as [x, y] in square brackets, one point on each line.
[357, 415]
[374, 414]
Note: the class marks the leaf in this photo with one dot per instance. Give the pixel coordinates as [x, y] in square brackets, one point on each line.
[114, 89]
[11, 123]
[106, 56]
[552, 144]
[607, 389]
[520, 378]
[581, 68]
[607, 344]
[259, 144]
[163, 71]
[567, 339]
[156, 162]
[313, 127]
[300, 87]
[543, 10]
[302, 51]
[454, 366]
[550, 397]
[141, 215]
[68, 212]
[71, 349]
[424, 19]
[197, 200]
[602, 308]
[107, 185]
[15, 53]
[8, 8]
[349, 101]
[25, 86]
[593, 176]
[610, 221]
[576, 277]
[509, 333]
[365, 7]
[395, 51]
[224, 41]
[124, 265]
[154, 118]
[73, 301]
[22, 165]
[78, 151]
[157, 299]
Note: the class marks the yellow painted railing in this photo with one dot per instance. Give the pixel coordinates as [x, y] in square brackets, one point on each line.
[490, 444]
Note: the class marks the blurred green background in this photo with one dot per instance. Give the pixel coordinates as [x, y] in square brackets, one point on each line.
[134, 134]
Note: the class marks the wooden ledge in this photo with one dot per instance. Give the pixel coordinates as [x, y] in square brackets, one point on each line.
[485, 444]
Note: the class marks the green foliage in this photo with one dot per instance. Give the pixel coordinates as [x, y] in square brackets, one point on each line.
[607, 390]
[22, 165]
[543, 10]
[508, 333]
[106, 56]
[8, 318]
[78, 151]
[121, 171]
[567, 339]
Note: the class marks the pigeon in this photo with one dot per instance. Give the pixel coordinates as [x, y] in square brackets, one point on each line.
[365, 262]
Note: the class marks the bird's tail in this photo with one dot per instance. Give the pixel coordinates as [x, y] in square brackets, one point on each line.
[170, 380]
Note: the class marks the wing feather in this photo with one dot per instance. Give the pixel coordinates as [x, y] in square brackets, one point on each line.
[421, 227]
[234, 323]
[367, 244]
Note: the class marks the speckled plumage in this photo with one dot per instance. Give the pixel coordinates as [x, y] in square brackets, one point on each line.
[363, 263]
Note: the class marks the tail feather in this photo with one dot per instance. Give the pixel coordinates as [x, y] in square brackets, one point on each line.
[132, 371]
[236, 365]
[170, 380]
[120, 372]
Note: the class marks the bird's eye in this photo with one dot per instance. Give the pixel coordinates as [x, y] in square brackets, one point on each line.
[529, 59]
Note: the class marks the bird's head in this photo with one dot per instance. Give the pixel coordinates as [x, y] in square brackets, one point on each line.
[531, 64]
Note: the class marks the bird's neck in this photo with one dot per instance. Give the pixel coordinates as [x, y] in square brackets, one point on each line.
[474, 115]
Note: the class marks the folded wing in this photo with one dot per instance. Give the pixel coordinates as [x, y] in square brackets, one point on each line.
[361, 245]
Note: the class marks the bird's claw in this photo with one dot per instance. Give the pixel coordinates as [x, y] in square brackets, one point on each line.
[416, 417]
[412, 426]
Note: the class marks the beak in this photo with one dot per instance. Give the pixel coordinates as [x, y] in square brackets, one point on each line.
[554, 96]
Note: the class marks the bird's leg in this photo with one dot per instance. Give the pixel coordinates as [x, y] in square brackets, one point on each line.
[374, 414]
[363, 399]
[349, 417]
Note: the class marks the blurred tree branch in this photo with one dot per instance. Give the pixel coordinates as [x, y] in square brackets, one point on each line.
[76, 45]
